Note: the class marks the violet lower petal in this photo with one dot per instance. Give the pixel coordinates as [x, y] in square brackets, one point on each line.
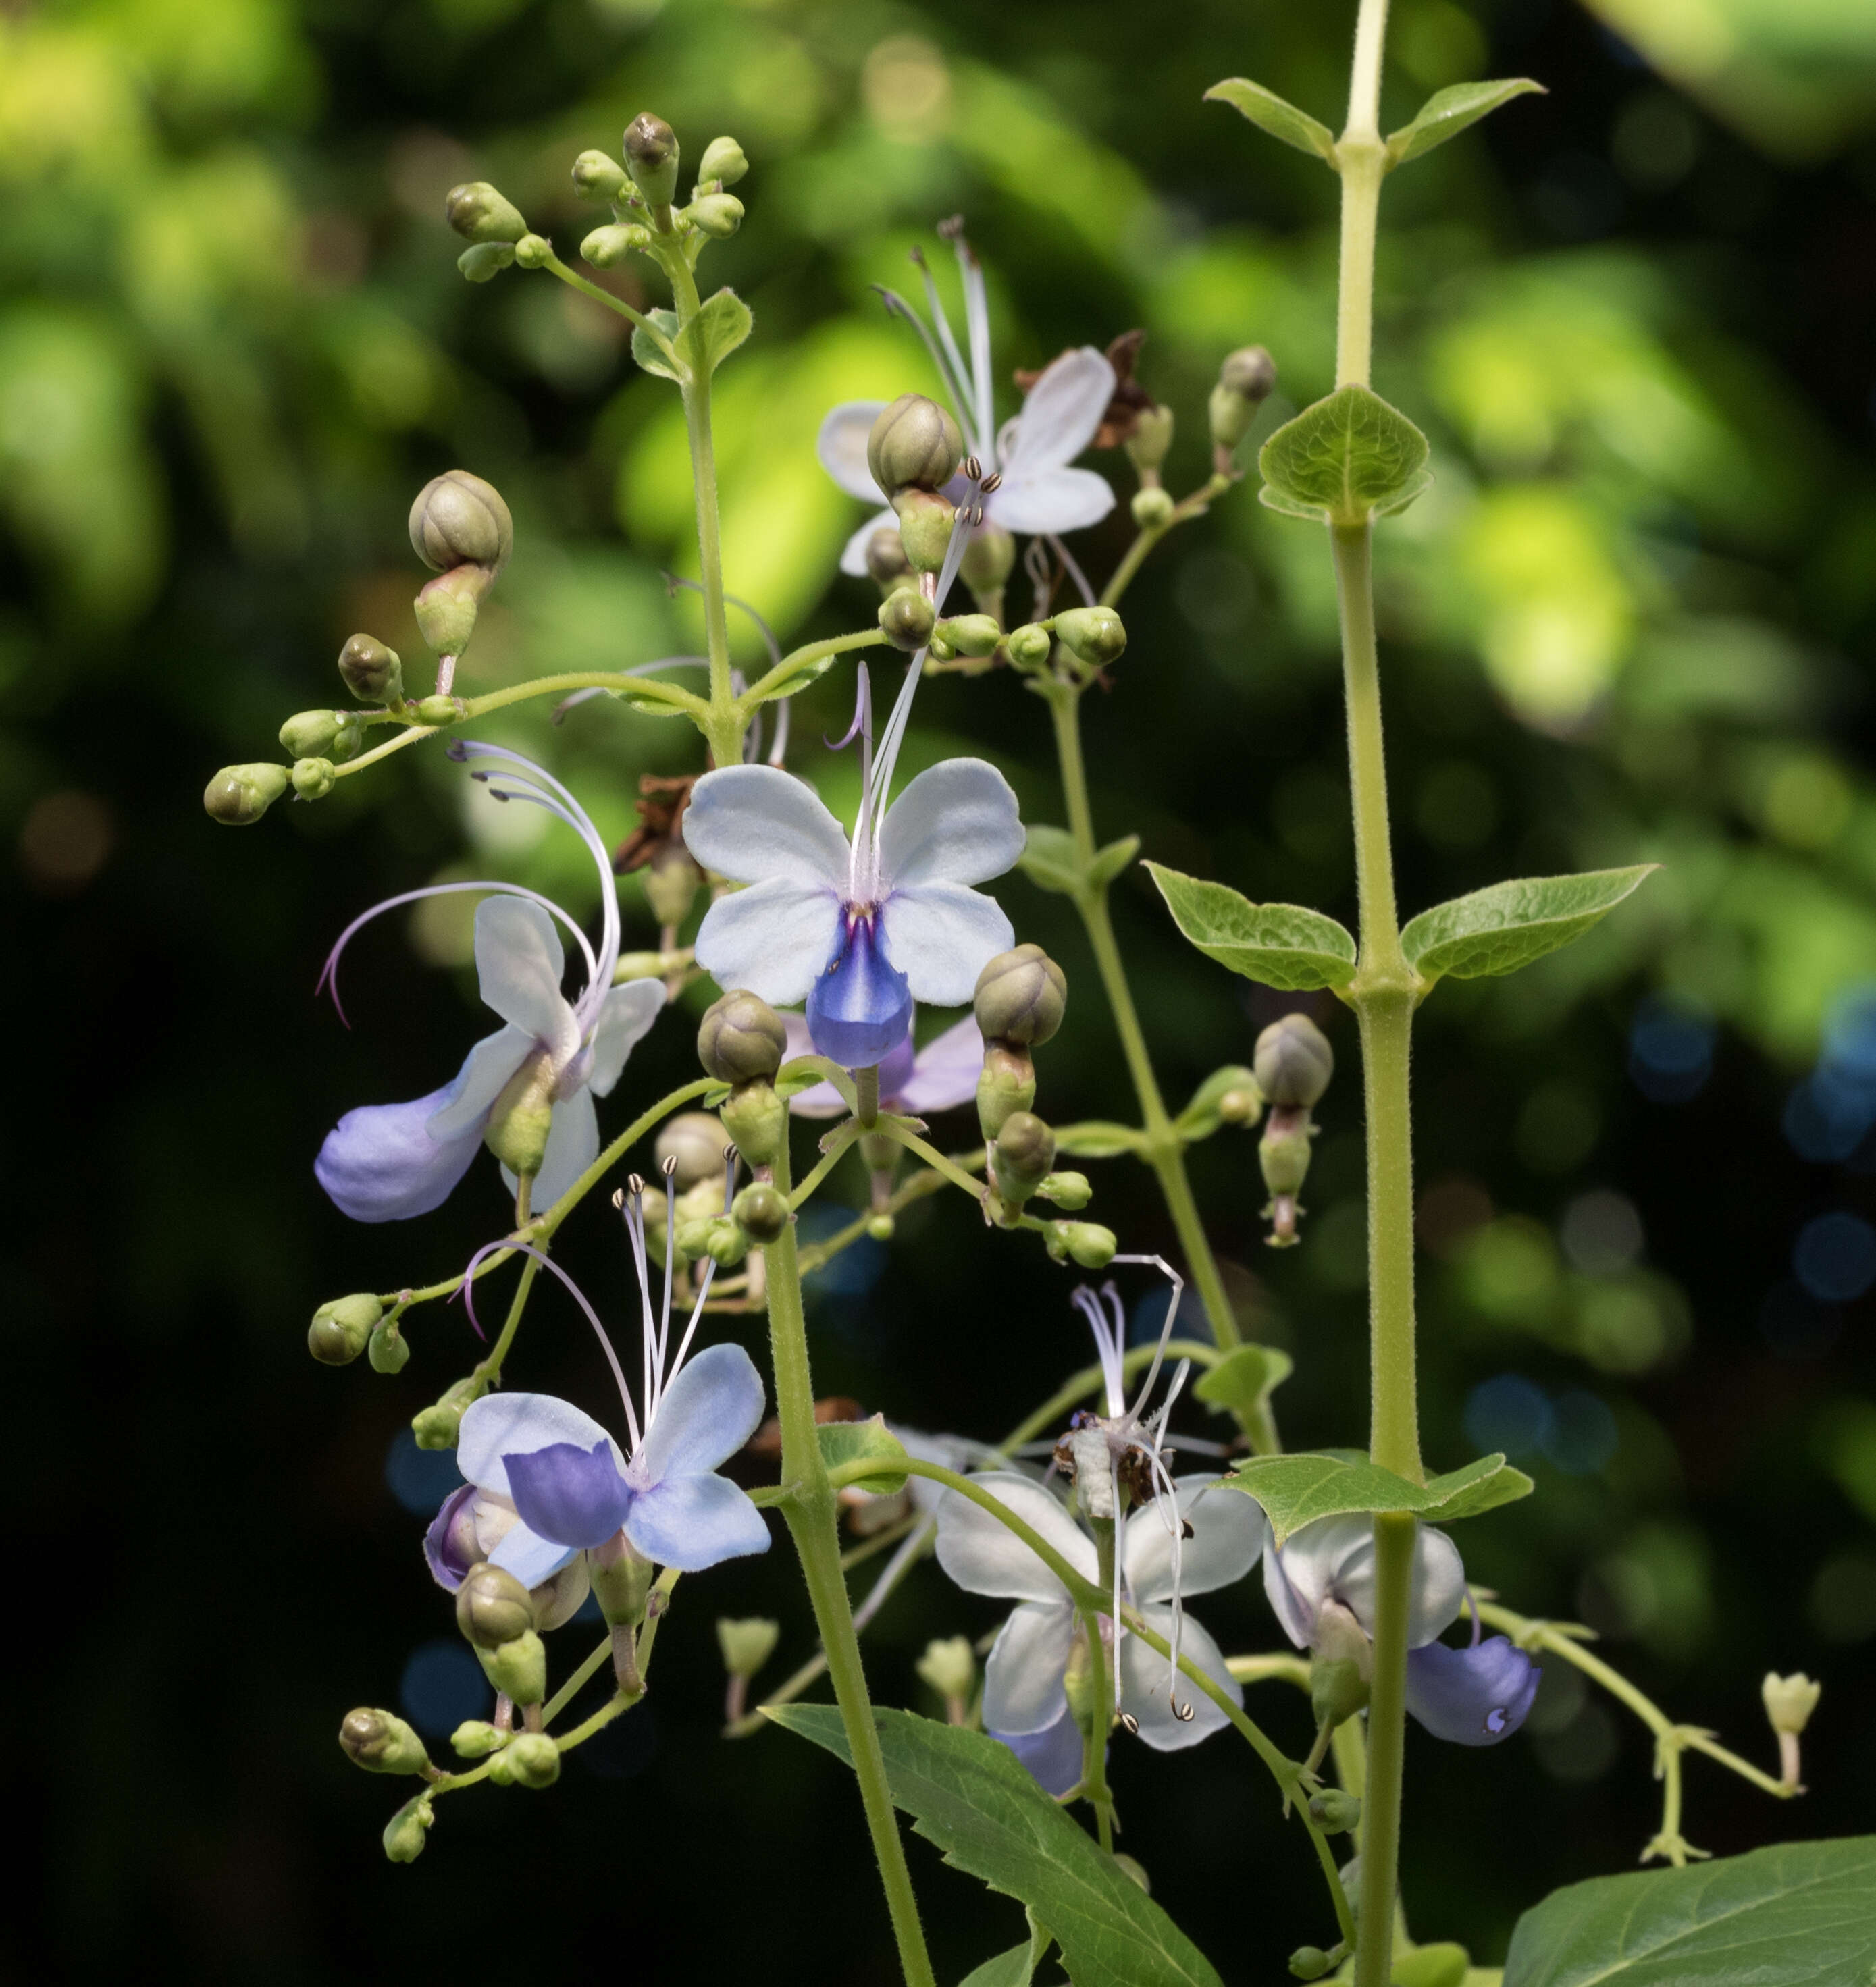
[573, 1495]
[859, 1009]
[380, 1163]
[449, 1545]
[1053, 1755]
[1471, 1697]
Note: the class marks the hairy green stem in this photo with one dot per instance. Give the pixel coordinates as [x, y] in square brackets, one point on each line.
[1101, 1692]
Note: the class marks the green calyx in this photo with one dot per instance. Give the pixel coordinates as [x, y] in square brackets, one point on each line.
[237, 796]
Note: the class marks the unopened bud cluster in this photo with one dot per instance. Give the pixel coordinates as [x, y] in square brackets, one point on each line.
[1293, 1064]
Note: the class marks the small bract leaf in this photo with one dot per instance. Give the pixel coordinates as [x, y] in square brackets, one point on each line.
[1013, 1968]
[720, 326]
[650, 356]
[843, 1443]
[796, 672]
[1109, 861]
[1269, 113]
[1245, 1378]
[1279, 945]
[1506, 925]
[1447, 113]
[1344, 460]
[1297, 1490]
[1795, 1914]
[1049, 859]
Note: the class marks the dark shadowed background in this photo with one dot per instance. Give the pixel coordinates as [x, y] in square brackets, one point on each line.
[1633, 619]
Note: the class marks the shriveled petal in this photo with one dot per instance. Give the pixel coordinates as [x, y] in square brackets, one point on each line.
[499, 1425]
[481, 1079]
[625, 1014]
[1053, 1755]
[853, 553]
[1145, 1675]
[1227, 1535]
[531, 1558]
[520, 962]
[712, 1408]
[956, 823]
[1472, 1697]
[572, 1146]
[1334, 1559]
[1051, 500]
[1022, 1674]
[944, 1073]
[694, 1522]
[859, 1009]
[941, 936]
[841, 446]
[772, 939]
[1061, 412]
[380, 1163]
[984, 1557]
[569, 1493]
[752, 823]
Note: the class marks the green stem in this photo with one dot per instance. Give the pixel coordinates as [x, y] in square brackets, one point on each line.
[1100, 1695]
[838, 1140]
[1188, 507]
[813, 1514]
[1362, 159]
[1387, 1741]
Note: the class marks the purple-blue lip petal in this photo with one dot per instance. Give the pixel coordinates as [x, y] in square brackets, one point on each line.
[572, 1495]
[1053, 1755]
[896, 1070]
[1471, 1697]
[448, 1545]
[860, 1009]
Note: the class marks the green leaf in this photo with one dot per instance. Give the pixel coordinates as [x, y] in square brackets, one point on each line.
[657, 702]
[967, 1794]
[843, 1443]
[1008, 1969]
[796, 672]
[1447, 113]
[1109, 861]
[1269, 113]
[1795, 1914]
[651, 357]
[1344, 459]
[1200, 1118]
[720, 326]
[1506, 925]
[1296, 1490]
[1245, 1378]
[1281, 945]
[1049, 859]
[1096, 1139]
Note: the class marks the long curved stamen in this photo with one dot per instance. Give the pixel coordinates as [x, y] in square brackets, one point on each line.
[954, 384]
[558, 714]
[675, 583]
[1074, 572]
[466, 1292]
[1165, 1494]
[1166, 1331]
[329, 973]
[978, 328]
[670, 1230]
[962, 371]
[630, 1201]
[1106, 1347]
[862, 724]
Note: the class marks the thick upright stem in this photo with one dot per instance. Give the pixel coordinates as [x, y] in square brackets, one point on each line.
[1387, 1738]
[1362, 159]
[812, 1513]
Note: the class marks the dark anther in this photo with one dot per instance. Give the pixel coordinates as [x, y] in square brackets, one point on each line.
[634, 1185]
[1184, 1712]
[1130, 1724]
[670, 1168]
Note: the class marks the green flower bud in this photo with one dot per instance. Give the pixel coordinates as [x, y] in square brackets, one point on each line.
[492, 1608]
[313, 779]
[1445, 1965]
[1789, 1701]
[1078, 1683]
[728, 1244]
[882, 1227]
[1022, 1156]
[1086, 1242]
[740, 1039]
[596, 176]
[407, 1831]
[989, 559]
[1029, 646]
[1152, 439]
[694, 1237]
[1091, 634]
[339, 1329]
[478, 213]
[949, 1667]
[389, 1349]
[446, 610]
[1337, 1690]
[886, 560]
[1066, 1190]
[1152, 508]
[1008, 1084]
[533, 252]
[907, 617]
[747, 1645]
[518, 1124]
[1250, 372]
[485, 261]
[622, 1579]
[968, 634]
[382, 1742]
[436, 1426]
[1309, 1962]
[1335, 1811]
[534, 1759]
[718, 215]
[475, 1738]
[1284, 1150]
[458, 519]
[315, 734]
[606, 247]
[1240, 1107]
[761, 1211]
[757, 1120]
[372, 672]
[723, 161]
[1293, 1061]
[1020, 997]
[695, 1140]
[914, 445]
[239, 795]
[517, 1668]
[926, 517]
[438, 710]
[651, 157]
[672, 879]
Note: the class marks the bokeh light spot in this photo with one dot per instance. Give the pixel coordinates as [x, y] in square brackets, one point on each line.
[420, 1479]
[1835, 1259]
[442, 1685]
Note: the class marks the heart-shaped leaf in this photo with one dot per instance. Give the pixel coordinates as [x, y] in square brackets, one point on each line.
[1279, 945]
[1447, 113]
[1269, 113]
[1344, 460]
[843, 1443]
[1049, 859]
[649, 356]
[1506, 925]
[720, 326]
[1297, 1490]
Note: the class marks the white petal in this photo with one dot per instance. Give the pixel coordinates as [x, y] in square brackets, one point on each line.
[1061, 412]
[774, 938]
[841, 446]
[1334, 1559]
[956, 823]
[984, 1557]
[941, 936]
[944, 1072]
[1050, 499]
[519, 961]
[500, 1425]
[1023, 1676]
[483, 1077]
[1146, 1676]
[853, 553]
[572, 1146]
[1227, 1535]
[625, 1014]
[751, 823]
